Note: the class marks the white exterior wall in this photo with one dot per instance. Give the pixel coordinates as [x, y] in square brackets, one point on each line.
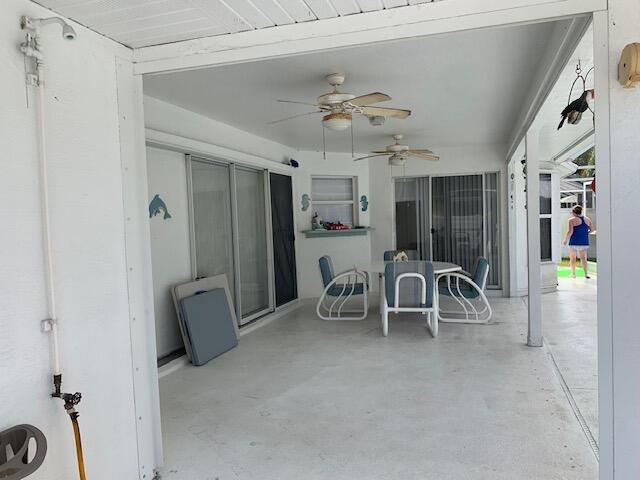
[170, 242]
[344, 251]
[518, 229]
[453, 160]
[83, 105]
[618, 171]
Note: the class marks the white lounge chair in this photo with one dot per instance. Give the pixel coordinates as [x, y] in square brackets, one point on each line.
[470, 304]
[339, 290]
[409, 287]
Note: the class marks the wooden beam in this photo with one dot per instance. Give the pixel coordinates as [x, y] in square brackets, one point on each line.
[534, 301]
[353, 30]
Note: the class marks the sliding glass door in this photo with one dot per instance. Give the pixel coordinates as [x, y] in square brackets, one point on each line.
[230, 234]
[212, 239]
[451, 219]
[457, 219]
[412, 215]
[252, 242]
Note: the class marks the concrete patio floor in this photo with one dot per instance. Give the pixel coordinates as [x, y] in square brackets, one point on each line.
[302, 398]
[571, 334]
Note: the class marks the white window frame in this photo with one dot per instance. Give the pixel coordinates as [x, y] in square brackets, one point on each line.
[354, 194]
[550, 217]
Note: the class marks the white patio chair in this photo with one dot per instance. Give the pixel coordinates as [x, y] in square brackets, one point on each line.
[470, 304]
[339, 290]
[409, 287]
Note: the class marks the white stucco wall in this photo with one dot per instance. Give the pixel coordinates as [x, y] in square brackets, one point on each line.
[518, 230]
[88, 225]
[617, 151]
[223, 140]
[344, 251]
[453, 160]
[170, 242]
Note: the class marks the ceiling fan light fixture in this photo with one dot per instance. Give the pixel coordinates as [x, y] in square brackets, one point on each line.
[397, 160]
[337, 121]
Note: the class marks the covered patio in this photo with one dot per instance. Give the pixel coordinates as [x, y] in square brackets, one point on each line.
[308, 397]
[305, 398]
[207, 168]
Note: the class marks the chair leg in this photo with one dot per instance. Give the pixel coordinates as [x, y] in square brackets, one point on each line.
[432, 323]
[385, 322]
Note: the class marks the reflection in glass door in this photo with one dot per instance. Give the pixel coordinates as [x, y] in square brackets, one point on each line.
[229, 232]
[457, 220]
[252, 243]
[412, 215]
[212, 228]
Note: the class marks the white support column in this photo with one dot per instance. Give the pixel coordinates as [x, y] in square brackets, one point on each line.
[145, 404]
[534, 335]
[618, 197]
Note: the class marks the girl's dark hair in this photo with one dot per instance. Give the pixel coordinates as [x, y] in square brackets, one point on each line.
[577, 209]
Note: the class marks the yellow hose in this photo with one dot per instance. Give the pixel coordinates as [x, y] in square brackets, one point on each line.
[76, 434]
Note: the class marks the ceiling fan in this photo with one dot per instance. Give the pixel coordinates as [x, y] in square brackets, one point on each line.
[398, 153]
[339, 107]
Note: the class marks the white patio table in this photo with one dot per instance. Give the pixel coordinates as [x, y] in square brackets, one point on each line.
[378, 267]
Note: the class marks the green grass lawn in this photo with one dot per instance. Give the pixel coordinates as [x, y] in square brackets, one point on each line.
[564, 270]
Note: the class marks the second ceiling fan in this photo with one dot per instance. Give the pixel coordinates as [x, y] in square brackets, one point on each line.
[339, 107]
[399, 153]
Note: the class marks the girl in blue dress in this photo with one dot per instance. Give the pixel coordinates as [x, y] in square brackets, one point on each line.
[578, 239]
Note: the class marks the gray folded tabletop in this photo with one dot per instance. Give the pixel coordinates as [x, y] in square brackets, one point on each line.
[208, 324]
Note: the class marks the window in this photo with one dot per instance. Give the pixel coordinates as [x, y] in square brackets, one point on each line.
[546, 208]
[334, 199]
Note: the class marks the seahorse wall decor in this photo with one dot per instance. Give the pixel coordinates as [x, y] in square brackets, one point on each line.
[306, 201]
[364, 203]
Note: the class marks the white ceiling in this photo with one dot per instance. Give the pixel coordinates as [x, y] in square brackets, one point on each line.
[463, 89]
[140, 23]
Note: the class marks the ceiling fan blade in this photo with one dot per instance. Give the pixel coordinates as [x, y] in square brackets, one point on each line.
[292, 117]
[371, 156]
[420, 150]
[386, 112]
[370, 98]
[422, 156]
[299, 103]
[382, 152]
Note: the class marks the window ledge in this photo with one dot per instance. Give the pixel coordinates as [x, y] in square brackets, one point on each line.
[352, 232]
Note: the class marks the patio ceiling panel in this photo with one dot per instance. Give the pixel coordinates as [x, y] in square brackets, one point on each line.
[140, 23]
[322, 8]
[346, 7]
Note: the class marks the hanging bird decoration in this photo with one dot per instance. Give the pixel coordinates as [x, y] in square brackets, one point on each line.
[572, 113]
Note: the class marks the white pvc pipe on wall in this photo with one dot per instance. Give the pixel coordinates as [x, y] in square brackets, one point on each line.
[46, 221]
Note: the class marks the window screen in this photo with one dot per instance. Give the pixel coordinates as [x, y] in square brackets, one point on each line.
[333, 199]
